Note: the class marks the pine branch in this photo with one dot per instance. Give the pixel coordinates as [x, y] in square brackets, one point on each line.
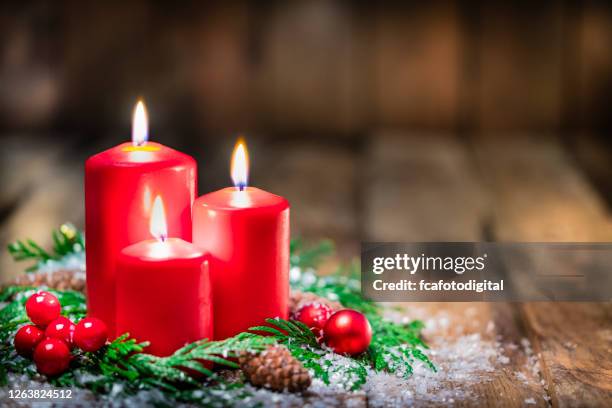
[66, 240]
[394, 347]
[123, 360]
[288, 331]
[9, 292]
[14, 314]
[28, 250]
[171, 369]
[323, 363]
[305, 258]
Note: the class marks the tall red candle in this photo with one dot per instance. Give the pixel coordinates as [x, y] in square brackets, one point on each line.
[246, 232]
[163, 291]
[120, 184]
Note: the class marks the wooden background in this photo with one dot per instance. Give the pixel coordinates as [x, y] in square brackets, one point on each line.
[389, 121]
[317, 66]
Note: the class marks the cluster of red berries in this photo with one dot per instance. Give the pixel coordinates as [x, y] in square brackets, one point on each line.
[52, 337]
[346, 331]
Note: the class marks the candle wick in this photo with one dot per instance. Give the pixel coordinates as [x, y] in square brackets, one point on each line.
[241, 187]
[163, 238]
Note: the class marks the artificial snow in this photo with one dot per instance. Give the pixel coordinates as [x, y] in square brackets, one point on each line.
[463, 361]
[463, 357]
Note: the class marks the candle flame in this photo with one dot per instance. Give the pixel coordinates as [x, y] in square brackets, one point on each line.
[157, 223]
[140, 125]
[240, 165]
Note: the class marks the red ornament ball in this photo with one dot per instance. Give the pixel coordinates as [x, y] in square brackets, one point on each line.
[90, 334]
[27, 338]
[314, 315]
[61, 328]
[42, 308]
[52, 357]
[348, 332]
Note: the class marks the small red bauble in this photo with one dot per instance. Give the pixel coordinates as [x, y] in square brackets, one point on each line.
[27, 338]
[42, 308]
[90, 334]
[314, 315]
[52, 357]
[348, 332]
[61, 328]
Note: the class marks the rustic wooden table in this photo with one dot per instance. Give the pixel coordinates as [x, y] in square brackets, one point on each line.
[406, 187]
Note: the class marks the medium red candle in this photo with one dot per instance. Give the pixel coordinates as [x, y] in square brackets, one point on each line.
[120, 184]
[246, 232]
[163, 290]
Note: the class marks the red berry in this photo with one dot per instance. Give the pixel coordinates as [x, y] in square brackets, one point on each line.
[52, 357]
[90, 334]
[314, 315]
[27, 338]
[61, 328]
[42, 308]
[348, 332]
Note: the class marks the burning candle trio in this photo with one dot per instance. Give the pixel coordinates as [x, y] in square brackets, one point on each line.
[168, 268]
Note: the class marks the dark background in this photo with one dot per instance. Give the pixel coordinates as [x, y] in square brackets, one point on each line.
[211, 68]
[366, 115]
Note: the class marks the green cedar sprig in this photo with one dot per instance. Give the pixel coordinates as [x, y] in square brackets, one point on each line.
[288, 331]
[171, 369]
[309, 257]
[14, 314]
[394, 347]
[303, 345]
[123, 360]
[66, 240]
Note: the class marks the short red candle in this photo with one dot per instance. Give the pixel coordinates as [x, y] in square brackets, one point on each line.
[120, 184]
[246, 232]
[164, 294]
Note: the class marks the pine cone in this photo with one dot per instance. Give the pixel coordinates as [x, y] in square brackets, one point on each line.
[276, 369]
[299, 299]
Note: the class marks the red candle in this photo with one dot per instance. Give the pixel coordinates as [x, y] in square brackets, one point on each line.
[120, 184]
[246, 232]
[163, 290]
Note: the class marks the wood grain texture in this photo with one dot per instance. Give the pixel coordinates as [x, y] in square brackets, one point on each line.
[426, 188]
[322, 185]
[415, 57]
[521, 51]
[311, 68]
[421, 187]
[539, 195]
[418, 188]
[591, 61]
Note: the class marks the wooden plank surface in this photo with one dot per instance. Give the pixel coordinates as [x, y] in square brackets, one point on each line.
[417, 188]
[520, 65]
[421, 188]
[309, 69]
[322, 184]
[425, 189]
[415, 63]
[539, 195]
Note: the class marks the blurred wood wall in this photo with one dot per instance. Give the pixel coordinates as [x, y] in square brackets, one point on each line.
[339, 67]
